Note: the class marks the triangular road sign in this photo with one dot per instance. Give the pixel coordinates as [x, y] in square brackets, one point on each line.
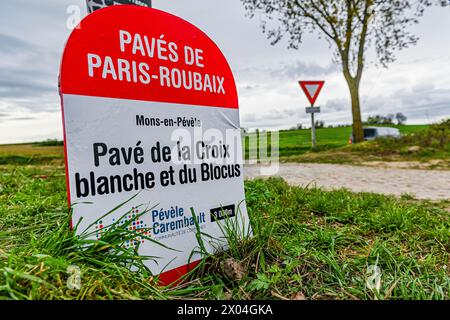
[311, 89]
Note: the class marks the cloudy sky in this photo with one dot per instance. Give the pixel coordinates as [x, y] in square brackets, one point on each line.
[33, 33]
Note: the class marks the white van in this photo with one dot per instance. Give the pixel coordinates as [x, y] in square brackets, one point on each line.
[371, 133]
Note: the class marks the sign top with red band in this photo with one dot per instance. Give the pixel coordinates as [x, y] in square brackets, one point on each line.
[311, 89]
[146, 55]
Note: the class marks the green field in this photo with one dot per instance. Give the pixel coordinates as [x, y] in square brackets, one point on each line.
[30, 153]
[307, 243]
[297, 142]
[430, 144]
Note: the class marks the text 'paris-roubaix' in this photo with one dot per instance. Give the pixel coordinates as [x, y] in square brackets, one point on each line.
[136, 71]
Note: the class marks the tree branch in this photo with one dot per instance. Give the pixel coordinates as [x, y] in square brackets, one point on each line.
[362, 41]
[317, 22]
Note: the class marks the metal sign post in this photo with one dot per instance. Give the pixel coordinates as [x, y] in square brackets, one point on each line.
[312, 90]
[93, 5]
[313, 131]
[313, 110]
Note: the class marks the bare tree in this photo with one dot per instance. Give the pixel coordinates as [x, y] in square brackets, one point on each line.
[349, 26]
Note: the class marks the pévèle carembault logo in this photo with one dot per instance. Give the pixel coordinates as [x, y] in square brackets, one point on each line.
[174, 218]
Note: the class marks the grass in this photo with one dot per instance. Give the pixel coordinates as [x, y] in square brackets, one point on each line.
[307, 241]
[298, 142]
[427, 148]
[421, 146]
[31, 153]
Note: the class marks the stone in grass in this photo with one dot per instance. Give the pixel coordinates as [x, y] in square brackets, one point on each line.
[299, 296]
[413, 149]
[233, 269]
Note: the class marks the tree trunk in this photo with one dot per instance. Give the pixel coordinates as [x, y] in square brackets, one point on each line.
[358, 133]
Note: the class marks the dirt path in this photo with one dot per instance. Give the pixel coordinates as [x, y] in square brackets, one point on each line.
[422, 184]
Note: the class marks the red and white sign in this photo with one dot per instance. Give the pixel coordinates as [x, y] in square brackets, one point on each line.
[311, 89]
[151, 124]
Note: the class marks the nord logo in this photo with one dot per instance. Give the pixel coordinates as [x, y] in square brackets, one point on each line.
[222, 213]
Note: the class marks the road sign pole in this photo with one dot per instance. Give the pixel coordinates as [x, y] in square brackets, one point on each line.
[313, 131]
[93, 5]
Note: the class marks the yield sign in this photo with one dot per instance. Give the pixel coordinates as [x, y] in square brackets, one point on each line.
[311, 89]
